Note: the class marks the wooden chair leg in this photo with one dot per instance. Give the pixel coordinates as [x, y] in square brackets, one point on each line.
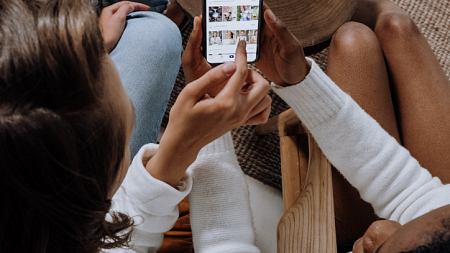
[308, 225]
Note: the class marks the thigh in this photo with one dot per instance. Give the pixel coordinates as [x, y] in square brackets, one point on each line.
[421, 91]
[148, 57]
[357, 66]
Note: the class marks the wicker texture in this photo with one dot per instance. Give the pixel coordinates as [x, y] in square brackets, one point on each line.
[259, 156]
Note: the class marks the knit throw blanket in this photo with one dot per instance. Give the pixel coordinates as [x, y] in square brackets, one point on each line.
[259, 156]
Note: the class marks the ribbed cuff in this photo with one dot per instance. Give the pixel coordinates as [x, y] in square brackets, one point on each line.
[220, 145]
[315, 99]
[146, 189]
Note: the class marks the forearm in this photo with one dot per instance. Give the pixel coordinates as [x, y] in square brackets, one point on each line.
[220, 213]
[152, 203]
[383, 171]
[171, 161]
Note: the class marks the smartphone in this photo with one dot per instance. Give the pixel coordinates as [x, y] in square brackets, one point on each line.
[225, 23]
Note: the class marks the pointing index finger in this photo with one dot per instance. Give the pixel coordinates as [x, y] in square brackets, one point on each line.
[238, 79]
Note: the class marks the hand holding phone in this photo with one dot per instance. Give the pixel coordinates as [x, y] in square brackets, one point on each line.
[282, 58]
[214, 101]
[194, 64]
[242, 100]
[192, 60]
[224, 25]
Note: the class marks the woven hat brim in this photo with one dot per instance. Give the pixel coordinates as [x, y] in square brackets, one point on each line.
[311, 21]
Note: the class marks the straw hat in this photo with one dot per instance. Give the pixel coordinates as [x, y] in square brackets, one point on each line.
[311, 21]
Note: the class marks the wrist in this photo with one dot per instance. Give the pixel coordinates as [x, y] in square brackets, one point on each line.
[304, 68]
[170, 162]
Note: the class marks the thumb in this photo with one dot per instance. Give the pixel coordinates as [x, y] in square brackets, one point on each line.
[192, 55]
[196, 90]
[285, 38]
[195, 39]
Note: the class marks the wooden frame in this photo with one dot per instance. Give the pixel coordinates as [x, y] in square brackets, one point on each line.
[308, 223]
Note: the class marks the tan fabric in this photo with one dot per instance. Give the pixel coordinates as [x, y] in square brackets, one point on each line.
[179, 238]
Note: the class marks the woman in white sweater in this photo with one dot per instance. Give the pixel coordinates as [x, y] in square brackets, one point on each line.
[379, 156]
[373, 161]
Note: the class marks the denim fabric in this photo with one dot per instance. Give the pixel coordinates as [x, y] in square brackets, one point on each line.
[148, 58]
[156, 5]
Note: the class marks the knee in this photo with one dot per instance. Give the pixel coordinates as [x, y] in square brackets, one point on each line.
[156, 34]
[353, 37]
[395, 24]
[167, 31]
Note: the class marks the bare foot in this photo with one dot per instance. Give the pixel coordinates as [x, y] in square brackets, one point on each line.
[175, 13]
[368, 11]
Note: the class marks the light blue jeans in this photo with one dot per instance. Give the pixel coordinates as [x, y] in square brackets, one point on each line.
[155, 5]
[148, 57]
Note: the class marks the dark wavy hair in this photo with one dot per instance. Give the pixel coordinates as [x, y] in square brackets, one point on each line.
[440, 240]
[61, 143]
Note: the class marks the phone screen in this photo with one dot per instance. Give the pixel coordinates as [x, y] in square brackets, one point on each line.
[225, 23]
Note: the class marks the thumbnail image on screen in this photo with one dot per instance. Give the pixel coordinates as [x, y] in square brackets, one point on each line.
[247, 13]
[229, 13]
[229, 37]
[215, 38]
[215, 14]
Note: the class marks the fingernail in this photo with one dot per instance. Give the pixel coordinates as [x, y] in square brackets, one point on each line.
[229, 68]
[271, 16]
[242, 43]
[195, 24]
[132, 6]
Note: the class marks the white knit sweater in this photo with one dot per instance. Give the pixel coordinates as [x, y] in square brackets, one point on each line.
[383, 171]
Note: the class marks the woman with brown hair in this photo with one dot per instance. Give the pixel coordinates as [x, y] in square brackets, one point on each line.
[66, 122]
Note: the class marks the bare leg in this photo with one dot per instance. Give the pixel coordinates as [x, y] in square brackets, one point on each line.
[421, 91]
[356, 65]
[419, 114]
[175, 13]
[420, 88]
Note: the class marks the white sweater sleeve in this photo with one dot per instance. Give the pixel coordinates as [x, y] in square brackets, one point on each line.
[382, 170]
[221, 218]
[153, 204]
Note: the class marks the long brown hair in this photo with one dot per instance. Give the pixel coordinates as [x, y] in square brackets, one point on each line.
[61, 145]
